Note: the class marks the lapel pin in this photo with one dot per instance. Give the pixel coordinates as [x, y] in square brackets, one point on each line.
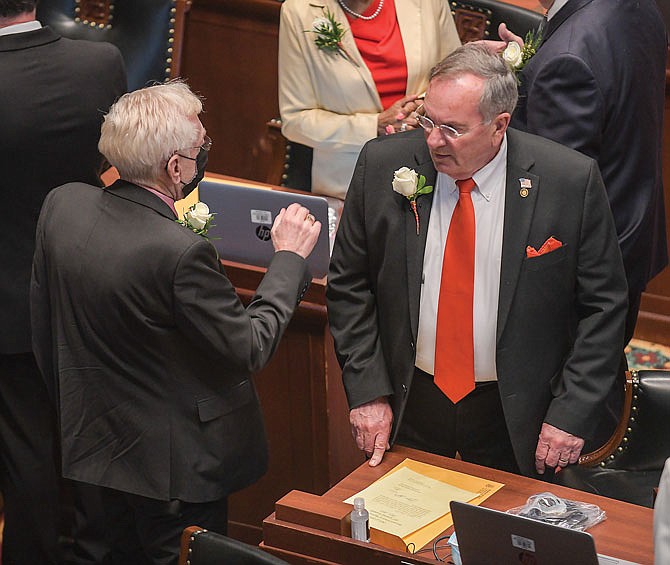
[526, 184]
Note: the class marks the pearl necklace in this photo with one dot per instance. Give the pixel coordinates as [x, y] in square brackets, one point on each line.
[361, 16]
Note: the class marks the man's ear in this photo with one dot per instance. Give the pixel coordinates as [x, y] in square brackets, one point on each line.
[501, 122]
[173, 169]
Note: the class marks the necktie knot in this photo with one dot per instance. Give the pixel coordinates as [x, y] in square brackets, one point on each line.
[466, 186]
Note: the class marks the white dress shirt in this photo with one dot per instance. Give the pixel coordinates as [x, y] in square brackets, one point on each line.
[488, 200]
[20, 28]
[555, 7]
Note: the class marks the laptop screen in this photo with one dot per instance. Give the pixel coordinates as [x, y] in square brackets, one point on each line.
[240, 230]
[488, 536]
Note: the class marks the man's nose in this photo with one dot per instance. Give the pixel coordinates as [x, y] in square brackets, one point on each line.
[434, 138]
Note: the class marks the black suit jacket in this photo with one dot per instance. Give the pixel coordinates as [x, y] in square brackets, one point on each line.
[560, 317]
[597, 84]
[149, 347]
[53, 96]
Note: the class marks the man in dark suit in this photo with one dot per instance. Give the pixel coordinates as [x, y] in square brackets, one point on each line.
[545, 314]
[597, 84]
[53, 93]
[148, 345]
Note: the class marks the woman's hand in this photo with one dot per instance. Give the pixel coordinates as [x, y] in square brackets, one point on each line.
[398, 116]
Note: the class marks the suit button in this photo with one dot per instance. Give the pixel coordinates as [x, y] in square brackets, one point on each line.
[404, 390]
[411, 344]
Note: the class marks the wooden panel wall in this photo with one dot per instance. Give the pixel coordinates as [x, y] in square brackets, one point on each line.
[230, 57]
[654, 321]
[305, 410]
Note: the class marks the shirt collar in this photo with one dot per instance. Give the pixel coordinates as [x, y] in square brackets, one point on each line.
[555, 7]
[164, 197]
[21, 28]
[484, 176]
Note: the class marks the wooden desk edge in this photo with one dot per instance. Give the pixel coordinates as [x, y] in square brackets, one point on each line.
[625, 523]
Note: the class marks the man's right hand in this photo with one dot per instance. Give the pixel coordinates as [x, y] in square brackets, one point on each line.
[295, 230]
[371, 428]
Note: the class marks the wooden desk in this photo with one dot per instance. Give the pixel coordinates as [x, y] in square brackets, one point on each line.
[626, 533]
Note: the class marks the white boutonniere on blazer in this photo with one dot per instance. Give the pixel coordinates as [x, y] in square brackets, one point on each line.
[329, 33]
[197, 218]
[517, 56]
[411, 185]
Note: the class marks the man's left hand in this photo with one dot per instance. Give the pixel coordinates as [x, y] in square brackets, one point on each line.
[556, 448]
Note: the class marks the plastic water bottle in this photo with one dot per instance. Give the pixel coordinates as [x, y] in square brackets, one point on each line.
[360, 521]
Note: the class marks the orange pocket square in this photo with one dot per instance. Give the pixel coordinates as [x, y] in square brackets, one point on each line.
[552, 244]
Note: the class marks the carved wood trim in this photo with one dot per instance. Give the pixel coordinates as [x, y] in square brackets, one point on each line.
[96, 13]
[472, 22]
[177, 22]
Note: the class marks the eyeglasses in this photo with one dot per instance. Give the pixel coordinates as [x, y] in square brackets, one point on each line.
[206, 146]
[448, 131]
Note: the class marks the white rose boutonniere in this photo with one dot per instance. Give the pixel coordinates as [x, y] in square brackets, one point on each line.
[197, 218]
[512, 54]
[411, 185]
[517, 56]
[329, 33]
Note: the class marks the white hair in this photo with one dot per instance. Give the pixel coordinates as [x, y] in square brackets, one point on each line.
[144, 128]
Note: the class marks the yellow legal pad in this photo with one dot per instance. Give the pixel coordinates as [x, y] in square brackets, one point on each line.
[409, 505]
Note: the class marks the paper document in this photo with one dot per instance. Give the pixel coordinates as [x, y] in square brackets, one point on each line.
[404, 501]
[411, 502]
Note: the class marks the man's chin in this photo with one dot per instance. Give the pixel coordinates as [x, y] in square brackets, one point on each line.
[444, 164]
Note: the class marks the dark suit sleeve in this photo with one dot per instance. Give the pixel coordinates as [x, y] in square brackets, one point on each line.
[352, 310]
[564, 104]
[208, 309]
[117, 71]
[40, 308]
[590, 371]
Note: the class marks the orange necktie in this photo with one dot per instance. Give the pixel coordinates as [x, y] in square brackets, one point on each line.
[454, 342]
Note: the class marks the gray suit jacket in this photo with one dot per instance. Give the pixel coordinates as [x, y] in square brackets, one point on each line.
[560, 316]
[148, 346]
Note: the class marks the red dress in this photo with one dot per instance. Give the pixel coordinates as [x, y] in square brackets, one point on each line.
[380, 44]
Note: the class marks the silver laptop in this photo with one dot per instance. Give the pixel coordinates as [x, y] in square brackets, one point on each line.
[244, 217]
[488, 536]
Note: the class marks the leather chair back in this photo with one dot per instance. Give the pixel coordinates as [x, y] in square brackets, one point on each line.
[646, 443]
[200, 547]
[479, 19]
[629, 466]
[147, 32]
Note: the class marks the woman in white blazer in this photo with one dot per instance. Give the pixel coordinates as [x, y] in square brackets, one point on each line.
[328, 100]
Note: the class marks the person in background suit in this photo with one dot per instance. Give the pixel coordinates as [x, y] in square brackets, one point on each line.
[597, 84]
[662, 519]
[336, 100]
[519, 379]
[53, 93]
[149, 346]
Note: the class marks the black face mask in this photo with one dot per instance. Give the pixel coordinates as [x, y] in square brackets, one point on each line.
[200, 164]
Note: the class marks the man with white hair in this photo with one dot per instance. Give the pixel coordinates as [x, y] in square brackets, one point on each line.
[150, 348]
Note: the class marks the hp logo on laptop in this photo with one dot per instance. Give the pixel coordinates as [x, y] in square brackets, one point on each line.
[263, 232]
